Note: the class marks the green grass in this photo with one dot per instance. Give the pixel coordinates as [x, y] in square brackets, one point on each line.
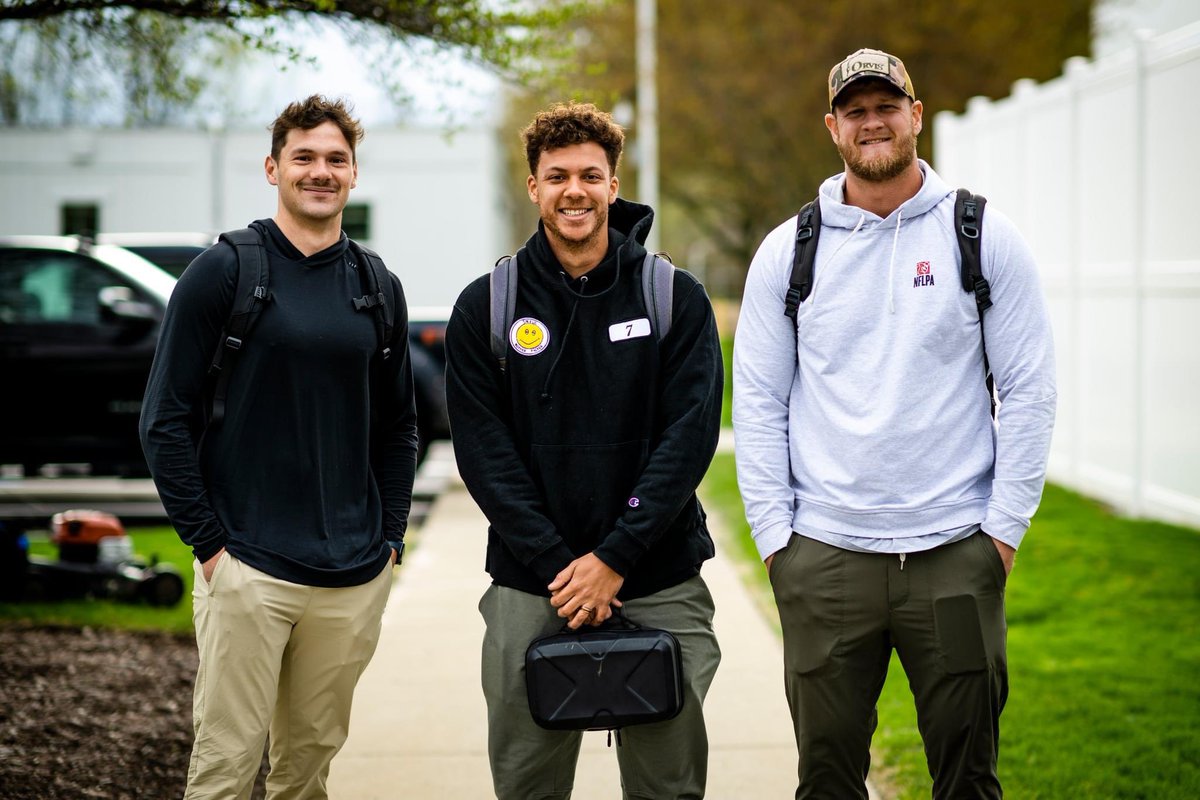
[147, 542]
[1103, 650]
[727, 404]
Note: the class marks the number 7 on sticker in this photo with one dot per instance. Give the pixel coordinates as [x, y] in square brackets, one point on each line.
[630, 329]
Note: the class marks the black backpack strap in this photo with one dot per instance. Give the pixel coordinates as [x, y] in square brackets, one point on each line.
[968, 221]
[503, 293]
[374, 277]
[248, 300]
[808, 230]
[968, 224]
[658, 290]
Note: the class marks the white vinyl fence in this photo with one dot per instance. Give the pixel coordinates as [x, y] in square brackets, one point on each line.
[1100, 169]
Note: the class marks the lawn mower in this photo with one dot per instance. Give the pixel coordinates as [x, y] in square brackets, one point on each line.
[95, 559]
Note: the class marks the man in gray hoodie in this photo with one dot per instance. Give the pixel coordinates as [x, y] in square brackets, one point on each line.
[884, 499]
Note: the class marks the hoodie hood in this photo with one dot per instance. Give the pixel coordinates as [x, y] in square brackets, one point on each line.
[836, 214]
[628, 226]
[632, 219]
[280, 245]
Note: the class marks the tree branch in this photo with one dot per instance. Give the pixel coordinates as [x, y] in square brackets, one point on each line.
[509, 36]
[472, 24]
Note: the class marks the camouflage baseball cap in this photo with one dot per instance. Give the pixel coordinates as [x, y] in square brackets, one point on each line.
[868, 63]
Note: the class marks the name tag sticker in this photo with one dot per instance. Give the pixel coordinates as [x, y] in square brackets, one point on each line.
[633, 329]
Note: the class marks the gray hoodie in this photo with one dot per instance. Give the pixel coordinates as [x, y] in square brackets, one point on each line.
[869, 419]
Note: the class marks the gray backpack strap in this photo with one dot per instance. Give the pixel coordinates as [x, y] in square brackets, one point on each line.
[503, 305]
[658, 288]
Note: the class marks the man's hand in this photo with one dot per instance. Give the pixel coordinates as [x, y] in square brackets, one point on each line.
[210, 566]
[768, 561]
[584, 591]
[1007, 554]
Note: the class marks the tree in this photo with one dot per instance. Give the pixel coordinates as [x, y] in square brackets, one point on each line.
[56, 72]
[497, 33]
[155, 56]
[742, 95]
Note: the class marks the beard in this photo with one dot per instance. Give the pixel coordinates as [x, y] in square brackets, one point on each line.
[550, 220]
[883, 167]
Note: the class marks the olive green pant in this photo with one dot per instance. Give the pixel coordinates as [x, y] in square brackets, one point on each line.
[842, 612]
[661, 760]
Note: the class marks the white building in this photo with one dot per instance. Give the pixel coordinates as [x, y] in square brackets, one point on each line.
[431, 204]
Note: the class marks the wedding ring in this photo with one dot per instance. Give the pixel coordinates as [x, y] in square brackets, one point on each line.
[589, 610]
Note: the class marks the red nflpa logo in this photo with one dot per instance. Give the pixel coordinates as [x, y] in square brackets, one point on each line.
[924, 275]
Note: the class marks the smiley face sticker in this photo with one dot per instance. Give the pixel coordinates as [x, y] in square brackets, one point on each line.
[529, 336]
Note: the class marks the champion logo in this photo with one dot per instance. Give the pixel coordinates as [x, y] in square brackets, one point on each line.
[924, 275]
[634, 502]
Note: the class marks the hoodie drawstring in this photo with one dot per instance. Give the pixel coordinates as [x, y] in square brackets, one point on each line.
[817, 277]
[562, 346]
[892, 263]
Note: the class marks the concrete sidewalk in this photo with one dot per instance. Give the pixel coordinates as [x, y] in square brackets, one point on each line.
[419, 724]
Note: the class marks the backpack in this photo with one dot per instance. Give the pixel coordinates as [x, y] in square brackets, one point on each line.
[252, 294]
[658, 281]
[968, 223]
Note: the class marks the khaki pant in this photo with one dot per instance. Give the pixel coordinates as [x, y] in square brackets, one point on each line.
[842, 612]
[277, 654]
[661, 760]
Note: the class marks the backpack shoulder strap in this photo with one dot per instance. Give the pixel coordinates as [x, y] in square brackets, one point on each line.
[658, 290]
[374, 279]
[503, 295]
[249, 297]
[968, 225]
[808, 230]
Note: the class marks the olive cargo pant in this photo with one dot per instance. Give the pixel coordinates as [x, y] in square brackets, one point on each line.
[842, 612]
[278, 653]
[661, 760]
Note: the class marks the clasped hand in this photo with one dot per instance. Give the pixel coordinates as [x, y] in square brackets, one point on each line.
[585, 591]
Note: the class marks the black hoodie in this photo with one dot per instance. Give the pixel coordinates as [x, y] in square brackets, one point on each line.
[595, 443]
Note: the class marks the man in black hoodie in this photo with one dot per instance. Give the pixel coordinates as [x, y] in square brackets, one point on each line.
[296, 503]
[584, 453]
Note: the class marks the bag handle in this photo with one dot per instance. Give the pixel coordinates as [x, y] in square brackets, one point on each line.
[618, 620]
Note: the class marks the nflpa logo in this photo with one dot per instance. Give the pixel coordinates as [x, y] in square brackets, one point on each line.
[924, 275]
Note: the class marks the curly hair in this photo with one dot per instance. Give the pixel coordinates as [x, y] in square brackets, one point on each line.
[565, 124]
[311, 112]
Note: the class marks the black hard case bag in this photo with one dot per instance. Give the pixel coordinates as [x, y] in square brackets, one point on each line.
[607, 677]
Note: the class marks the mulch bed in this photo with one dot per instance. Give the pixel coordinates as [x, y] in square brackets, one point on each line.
[94, 714]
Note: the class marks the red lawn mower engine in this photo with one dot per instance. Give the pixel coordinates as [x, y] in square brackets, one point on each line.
[95, 558]
[90, 537]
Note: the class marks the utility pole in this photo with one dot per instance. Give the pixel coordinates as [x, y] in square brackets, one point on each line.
[647, 115]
